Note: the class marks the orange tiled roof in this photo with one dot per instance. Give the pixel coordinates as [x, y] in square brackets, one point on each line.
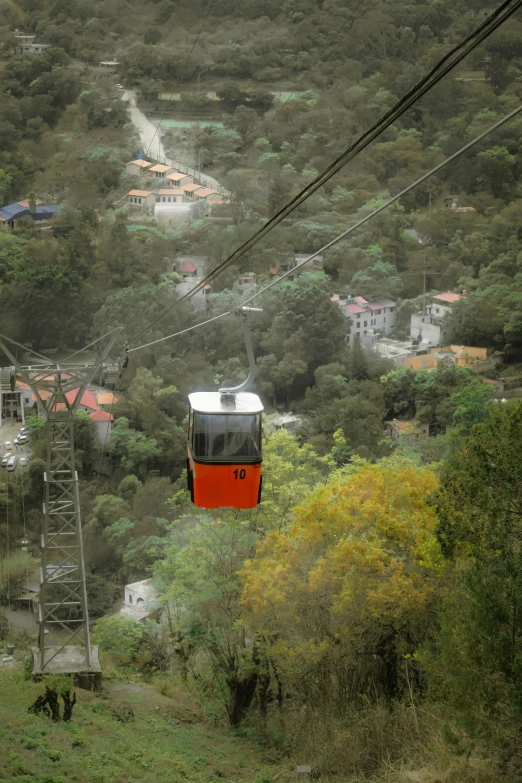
[159, 167]
[107, 398]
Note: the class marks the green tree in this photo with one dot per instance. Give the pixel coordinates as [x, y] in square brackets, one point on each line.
[479, 654]
[121, 637]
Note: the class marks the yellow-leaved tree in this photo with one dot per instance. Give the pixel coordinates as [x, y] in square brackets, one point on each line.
[343, 596]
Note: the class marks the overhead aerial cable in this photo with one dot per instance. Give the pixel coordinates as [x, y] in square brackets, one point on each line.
[434, 76]
[348, 231]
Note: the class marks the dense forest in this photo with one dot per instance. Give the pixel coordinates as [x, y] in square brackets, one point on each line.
[366, 616]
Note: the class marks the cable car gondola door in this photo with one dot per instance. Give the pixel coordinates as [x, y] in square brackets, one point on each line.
[224, 450]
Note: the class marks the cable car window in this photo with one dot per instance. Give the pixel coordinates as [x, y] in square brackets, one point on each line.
[226, 438]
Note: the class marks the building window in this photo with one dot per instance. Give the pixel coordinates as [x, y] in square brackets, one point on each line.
[366, 333]
[169, 199]
[139, 201]
[163, 199]
[157, 199]
[366, 324]
[358, 315]
[358, 326]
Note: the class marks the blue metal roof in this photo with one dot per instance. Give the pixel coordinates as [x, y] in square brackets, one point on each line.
[15, 212]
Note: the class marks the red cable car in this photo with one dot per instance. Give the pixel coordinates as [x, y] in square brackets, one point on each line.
[224, 450]
[224, 442]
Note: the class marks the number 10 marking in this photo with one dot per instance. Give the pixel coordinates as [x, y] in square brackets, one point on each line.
[240, 473]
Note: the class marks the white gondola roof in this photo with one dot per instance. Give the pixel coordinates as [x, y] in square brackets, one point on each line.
[211, 402]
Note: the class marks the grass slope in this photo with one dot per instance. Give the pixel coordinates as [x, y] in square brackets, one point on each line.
[166, 741]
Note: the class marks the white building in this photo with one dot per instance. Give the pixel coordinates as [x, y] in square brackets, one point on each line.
[283, 421]
[247, 283]
[199, 300]
[32, 48]
[394, 350]
[109, 66]
[368, 318]
[141, 600]
[431, 325]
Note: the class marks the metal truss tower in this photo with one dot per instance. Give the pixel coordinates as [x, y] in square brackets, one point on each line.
[58, 389]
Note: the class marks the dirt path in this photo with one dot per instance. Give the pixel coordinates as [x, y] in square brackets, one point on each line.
[150, 137]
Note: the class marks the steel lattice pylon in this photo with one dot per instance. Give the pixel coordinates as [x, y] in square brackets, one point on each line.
[58, 389]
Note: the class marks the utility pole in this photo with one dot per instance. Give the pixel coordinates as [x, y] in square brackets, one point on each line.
[424, 275]
[58, 389]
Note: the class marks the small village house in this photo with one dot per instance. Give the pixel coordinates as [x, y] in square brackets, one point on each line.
[170, 196]
[40, 213]
[141, 601]
[159, 171]
[110, 66]
[103, 423]
[141, 198]
[138, 167]
[430, 326]
[177, 179]
[190, 189]
[207, 194]
[407, 430]
[25, 44]
[199, 299]
[189, 267]
[246, 283]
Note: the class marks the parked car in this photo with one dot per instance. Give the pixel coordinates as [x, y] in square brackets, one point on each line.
[23, 430]
[23, 462]
[21, 439]
[8, 445]
[119, 86]
[11, 464]
[5, 460]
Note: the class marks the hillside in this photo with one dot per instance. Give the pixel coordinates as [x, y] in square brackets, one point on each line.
[159, 738]
[364, 616]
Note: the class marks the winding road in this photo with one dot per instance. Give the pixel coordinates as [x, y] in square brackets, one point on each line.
[150, 137]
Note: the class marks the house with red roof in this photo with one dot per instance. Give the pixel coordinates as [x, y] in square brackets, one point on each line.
[90, 402]
[189, 267]
[138, 167]
[170, 196]
[159, 171]
[177, 179]
[368, 318]
[141, 198]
